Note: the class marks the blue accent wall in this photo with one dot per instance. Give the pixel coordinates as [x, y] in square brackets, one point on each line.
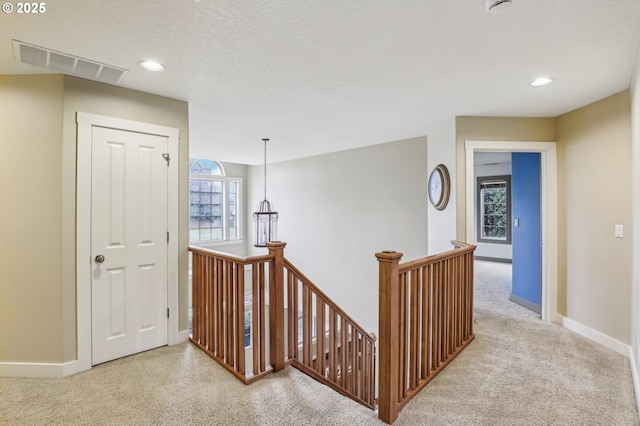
[526, 238]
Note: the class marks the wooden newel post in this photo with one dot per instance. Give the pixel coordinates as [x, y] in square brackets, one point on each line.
[389, 335]
[276, 305]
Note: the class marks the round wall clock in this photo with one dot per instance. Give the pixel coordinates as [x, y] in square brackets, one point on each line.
[439, 187]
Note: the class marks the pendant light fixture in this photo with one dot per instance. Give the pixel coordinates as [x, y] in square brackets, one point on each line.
[266, 220]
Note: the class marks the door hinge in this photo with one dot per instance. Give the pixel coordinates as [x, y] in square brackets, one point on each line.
[167, 237]
[167, 158]
[168, 313]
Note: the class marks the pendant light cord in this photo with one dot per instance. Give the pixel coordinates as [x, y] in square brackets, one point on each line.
[265, 167]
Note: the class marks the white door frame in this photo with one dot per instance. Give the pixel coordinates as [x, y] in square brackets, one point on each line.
[549, 202]
[85, 122]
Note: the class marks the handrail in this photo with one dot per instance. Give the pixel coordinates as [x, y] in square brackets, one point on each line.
[245, 260]
[425, 321]
[326, 343]
[459, 248]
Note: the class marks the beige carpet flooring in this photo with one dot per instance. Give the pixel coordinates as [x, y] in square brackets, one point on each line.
[518, 371]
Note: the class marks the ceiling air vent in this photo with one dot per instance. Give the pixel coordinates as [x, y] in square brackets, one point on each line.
[67, 64]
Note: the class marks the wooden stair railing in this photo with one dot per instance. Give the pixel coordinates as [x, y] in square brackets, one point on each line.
[218, 326]
[425, 321]
[317, 337]
[325, 343]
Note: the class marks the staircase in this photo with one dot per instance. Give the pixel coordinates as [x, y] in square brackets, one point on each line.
[256, 315]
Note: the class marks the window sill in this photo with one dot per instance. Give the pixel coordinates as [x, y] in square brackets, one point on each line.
[504, 242]
[211, 244]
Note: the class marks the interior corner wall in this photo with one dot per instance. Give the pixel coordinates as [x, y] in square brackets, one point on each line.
[31, 188]
[441, 149]
[594, 194]
[337, 210]
[513, 129]
[635, 170]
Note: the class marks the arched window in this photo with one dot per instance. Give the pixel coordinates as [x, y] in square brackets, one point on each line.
[202, 166]
[214, 203]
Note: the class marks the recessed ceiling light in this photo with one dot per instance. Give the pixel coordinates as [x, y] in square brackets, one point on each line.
[151, 65]
[542, 81]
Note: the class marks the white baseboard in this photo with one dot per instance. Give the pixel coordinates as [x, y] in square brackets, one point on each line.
[634, 376]
[183, 336]
[37, 369]
[606, 341]
[46, 369]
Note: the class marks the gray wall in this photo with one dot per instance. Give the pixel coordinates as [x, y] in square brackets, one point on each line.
[337, 210]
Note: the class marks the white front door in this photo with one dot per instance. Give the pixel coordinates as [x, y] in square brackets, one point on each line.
[128, 243]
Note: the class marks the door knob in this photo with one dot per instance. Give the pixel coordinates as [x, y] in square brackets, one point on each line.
[99, 258]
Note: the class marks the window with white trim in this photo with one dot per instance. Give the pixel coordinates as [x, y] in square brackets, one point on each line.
[214, 203]
[494, 209]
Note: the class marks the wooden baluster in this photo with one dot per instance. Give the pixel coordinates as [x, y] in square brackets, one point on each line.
[366, 370]
[342, 350]
[219, 323]
[414, 343]
[333, 350]
[402, 373]
[240, 367]
[353, 364]
[306, 326]
[436, 315]
[452, 303]
[208, 323]
[294, 317]
[197, 296]
[199, 283]
[255, 316]
[470, 294]
[443, 312]
[426, 318]
[357, 365]
[344, 353]
[389, 329]
[205, 321]
[465, 292]
[457, 303]
[263, 319]
[228, 317]
[291, 317]
[372, 372]
[320, 336]
[452, 307]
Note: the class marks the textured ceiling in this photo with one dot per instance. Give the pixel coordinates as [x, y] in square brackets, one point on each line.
[322, 76]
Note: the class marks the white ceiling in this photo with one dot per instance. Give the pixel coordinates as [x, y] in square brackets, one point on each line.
[323, 76]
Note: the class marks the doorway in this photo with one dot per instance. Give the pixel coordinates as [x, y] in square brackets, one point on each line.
[154, 255]
[548, 198]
